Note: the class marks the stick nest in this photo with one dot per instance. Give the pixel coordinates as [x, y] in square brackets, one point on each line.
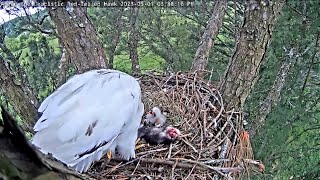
[213, 141]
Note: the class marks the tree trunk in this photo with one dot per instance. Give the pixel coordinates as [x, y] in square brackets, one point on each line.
[274, 94]
[79, 37]
[19, 160]
[14, 63]
[134, 40]
[115, 37]
[255, 35]
[200, 60]
[63, 67]
[21, 98]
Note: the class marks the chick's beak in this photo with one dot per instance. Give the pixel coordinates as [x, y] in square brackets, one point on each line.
[152, 113]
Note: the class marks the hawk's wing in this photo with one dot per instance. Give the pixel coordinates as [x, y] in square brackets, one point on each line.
[84, 117]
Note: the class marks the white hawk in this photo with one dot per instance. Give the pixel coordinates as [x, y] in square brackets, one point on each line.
[93, 113]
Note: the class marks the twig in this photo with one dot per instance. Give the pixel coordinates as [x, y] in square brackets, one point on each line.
[187, 143]
[219, 170]
[312, 61]
[136, 167]
[215, 161]
[193, 106]
[170, 150]
[172, 169]
[151, 151]
[220, 132]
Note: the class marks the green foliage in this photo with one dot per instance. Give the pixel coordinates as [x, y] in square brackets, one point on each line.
[147, 62]
[169, 36]
[21, 24]
[9, 107]
[289, 141]
[39, 55]
[150, 61]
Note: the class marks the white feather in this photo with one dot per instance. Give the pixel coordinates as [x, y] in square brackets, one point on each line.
[109, 100]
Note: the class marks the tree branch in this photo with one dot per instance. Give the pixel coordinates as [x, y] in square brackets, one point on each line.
[312, 61]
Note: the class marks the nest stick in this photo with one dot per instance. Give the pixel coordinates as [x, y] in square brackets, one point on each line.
[193, 106]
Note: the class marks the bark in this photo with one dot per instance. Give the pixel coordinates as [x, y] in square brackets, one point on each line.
[19, 160]
[21, 98]
[14, 62]
[254, 38]
[134, 40]
[273, 96]
[200, 60]
[63, 67]
[238, 17]
[79, 37]
[118, 24]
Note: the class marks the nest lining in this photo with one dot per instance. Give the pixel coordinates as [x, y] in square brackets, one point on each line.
[213, 143]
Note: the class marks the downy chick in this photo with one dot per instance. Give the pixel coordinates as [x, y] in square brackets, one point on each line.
[159, 135]
[155, 117]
